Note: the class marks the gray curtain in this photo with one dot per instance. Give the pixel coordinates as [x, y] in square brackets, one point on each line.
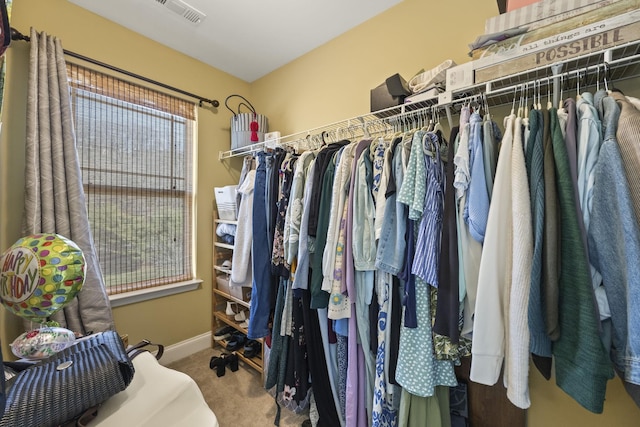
[54, 197]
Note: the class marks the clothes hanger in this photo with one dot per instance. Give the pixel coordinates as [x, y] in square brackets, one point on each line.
[560, 102]
[549, 103]
[578, 96]
[485, 101]
[437, 127]
[606, 76]
[513, 104]
[525, 104]
[426, 142]
[520, 102]
[325, 137]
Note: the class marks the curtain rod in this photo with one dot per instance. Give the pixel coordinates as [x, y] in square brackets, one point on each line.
[17, 35]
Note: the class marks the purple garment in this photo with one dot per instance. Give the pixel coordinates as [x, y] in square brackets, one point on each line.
[355, 414]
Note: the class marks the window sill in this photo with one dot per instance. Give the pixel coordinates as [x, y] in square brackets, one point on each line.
[133, 297]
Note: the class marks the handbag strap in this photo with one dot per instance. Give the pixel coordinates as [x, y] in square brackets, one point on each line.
[83, 419]
[138, 348]
[246, 103]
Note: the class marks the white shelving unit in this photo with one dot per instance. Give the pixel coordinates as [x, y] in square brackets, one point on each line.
[617, 63]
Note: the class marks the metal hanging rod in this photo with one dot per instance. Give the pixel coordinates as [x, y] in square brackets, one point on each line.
[17, 35]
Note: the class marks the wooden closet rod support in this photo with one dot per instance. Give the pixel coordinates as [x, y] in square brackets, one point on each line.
[17, 35]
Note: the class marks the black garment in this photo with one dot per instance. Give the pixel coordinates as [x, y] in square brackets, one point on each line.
[273, 193]
[279, 349]
[322, 160]
[319, 297]
[397, 287]
[297, 374]
[318, 365]
[273, 190]
[448, 305]
[395, 320]
[374, 311]
[391, 179]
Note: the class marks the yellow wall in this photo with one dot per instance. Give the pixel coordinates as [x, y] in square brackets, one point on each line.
[329, 84]
[332, 83]
[166, 320]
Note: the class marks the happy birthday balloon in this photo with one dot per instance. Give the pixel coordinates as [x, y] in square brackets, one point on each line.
[40, 274]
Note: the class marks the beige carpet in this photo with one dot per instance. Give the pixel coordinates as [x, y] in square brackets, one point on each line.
[237, 398]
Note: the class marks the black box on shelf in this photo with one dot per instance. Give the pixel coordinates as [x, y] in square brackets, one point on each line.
[390, 93]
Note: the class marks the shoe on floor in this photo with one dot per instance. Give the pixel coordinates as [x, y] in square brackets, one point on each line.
[252, 348]
[218, 363]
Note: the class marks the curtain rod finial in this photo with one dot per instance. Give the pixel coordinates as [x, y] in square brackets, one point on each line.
[17, 35]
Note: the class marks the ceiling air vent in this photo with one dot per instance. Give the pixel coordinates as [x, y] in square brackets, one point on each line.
[181, 8]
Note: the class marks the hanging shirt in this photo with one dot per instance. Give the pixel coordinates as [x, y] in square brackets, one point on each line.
[589, 139]
[306, 247]
[413, 188]
[582, 366]
[448, 306]
[381, 196]
[490, 147]
[426, 262]
[627, 134]
[294, 211]
[551, 239]
[339, 195]
[540, 343]
[478, 199]
[614, 248]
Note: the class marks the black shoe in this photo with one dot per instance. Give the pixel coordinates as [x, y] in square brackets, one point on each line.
[218, 363]
[223, 333]
[232, 361]
[252, 348]
[236, 341]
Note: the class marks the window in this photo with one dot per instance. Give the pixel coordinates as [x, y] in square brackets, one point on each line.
[135, 147]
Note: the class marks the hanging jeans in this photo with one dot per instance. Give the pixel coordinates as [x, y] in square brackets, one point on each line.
[261, 291]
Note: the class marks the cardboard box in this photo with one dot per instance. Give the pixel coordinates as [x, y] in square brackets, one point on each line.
[541, 13]
[222, 281]
[583, 43]
[516, 4]
[613, 15]
[226, 202]
[460, 76]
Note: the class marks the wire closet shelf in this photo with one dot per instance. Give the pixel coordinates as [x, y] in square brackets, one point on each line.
[611, 65]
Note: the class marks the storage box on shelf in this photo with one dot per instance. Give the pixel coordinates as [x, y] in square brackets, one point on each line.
[223, 293]
[614, 24]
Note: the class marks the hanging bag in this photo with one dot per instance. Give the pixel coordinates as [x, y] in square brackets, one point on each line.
[246, 128]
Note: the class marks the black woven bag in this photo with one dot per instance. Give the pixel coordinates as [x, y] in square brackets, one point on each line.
[65, 386]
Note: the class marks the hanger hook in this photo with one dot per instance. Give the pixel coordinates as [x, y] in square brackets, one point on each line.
[606, 73]
[561, 90]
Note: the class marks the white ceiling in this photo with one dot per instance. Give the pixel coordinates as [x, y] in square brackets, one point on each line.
[245, 38]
